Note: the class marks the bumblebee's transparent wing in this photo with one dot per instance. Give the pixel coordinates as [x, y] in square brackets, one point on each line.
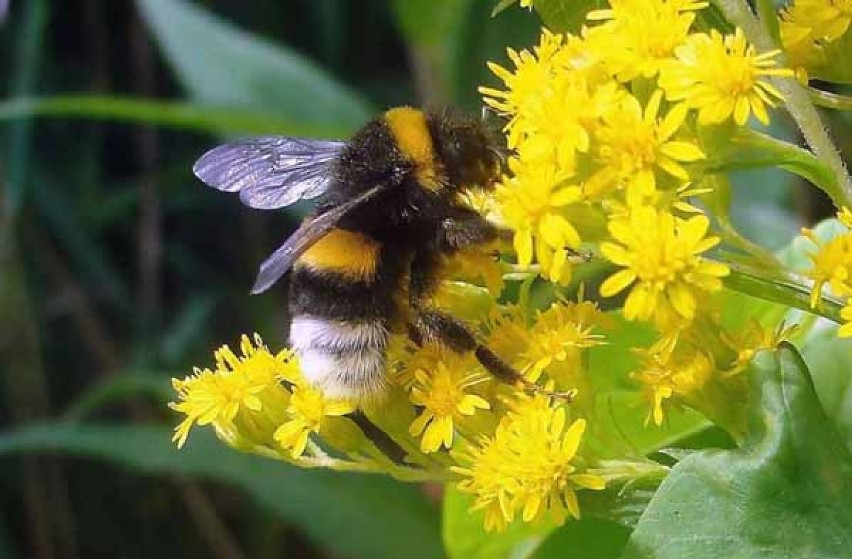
[270, 171]
[308, 233]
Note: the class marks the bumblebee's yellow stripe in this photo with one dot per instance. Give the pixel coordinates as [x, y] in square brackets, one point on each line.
[353, 255]
[412, 136]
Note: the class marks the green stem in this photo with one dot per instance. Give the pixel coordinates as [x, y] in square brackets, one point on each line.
[402, 473]
[830, 100]
[787, 292]
[524, 297]
[796, 99]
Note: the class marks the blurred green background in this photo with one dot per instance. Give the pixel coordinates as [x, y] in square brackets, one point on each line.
[118, 270]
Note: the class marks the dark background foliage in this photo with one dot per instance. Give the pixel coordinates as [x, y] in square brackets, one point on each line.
[118, 270]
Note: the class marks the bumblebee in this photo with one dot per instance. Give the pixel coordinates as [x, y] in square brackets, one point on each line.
[386, 213]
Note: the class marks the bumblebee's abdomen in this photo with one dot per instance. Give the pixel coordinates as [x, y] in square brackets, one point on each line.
[342, 305]
[344, 358]
[348, 253]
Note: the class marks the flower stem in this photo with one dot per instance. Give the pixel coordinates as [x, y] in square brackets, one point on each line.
[830, 100]
[796, 99]
[787, 292]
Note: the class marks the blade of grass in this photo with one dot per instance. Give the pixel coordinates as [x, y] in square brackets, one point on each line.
[173, 114]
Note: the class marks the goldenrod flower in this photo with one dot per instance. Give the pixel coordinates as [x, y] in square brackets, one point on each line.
[443, 394]
[639, 36]
[827, 19]
[559, 335]
[509, 334]
[250, 383]
[530, 466]
[668, 368]
[634, 143]
[662, 255]
[803, 50]
[845, 217]
[845, 330]
[532, 204]
[307, 409]
[752, 339]
[531, 77]
[832, 266]
[480, 265]
[722, 76]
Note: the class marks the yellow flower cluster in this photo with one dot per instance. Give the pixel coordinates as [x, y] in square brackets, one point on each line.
[809, 26]
[529, 465]
[607, 132]
[700, 367]
[441, 413]
[832, 269]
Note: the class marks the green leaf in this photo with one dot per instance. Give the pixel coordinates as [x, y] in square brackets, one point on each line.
[122, 385]
[174, 114]
[567, 15]
[19, 145]
[584, 538]
[354, 516]
[429, 23]
[434, 31]
[502, 5]
[830, 360]
[465, 537]
[219, 64]
[785, 494]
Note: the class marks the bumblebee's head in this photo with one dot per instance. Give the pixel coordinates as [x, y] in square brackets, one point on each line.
[466, 149]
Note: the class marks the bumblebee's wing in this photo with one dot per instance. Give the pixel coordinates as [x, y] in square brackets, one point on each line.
[308, 233]
[270, 171]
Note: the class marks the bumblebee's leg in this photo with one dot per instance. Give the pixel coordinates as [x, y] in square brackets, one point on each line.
[463, 228]
[435, 326]
[431, 325]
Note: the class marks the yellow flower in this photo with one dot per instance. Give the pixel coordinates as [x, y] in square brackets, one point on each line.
[845, 330]
[532, 204]
[669, 369]
[552, 99]
[827, 19]
[250, 383]
[832, 265]
[530, 466]
[531, 77]
[307, 409]
[661, 254]
[480, 265]
[639, 36]
[722, 76]
[442, 394]
[753, 338]
[634, 143]
[802, 48]
[509, 334]
[845, 217]
[559, 334]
